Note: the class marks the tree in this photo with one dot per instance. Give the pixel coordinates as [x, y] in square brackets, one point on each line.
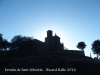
[22, 44]
[5, 44]
[96, 47]
[27, 47]
[15, 42]
[1, 40]
[81, 45]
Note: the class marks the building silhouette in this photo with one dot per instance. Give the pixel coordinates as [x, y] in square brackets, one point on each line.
[52, 44]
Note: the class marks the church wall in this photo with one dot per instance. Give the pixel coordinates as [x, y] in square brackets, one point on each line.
[44, 47]
[39, 45]
[74, 52]
[52, 43]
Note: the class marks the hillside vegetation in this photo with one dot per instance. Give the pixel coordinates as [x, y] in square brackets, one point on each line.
[20, 57]
[72, 64]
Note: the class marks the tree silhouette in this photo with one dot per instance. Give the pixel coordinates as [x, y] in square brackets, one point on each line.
[23, 45]
[27, 46]
[81, 45]
[15, 42]
[96, 47]
[5, 44]
[1, 41]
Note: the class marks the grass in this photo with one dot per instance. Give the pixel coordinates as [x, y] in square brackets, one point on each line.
[84, 65]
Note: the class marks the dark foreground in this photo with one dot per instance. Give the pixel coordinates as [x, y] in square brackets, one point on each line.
[48, 64]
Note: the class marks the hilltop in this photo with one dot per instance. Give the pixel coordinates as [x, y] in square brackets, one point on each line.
[70, 64]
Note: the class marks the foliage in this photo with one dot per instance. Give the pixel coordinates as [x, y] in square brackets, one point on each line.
[15, 42]
[4, 44]
[96, 47]
[81, 45]
[23, 45]
[1, 40]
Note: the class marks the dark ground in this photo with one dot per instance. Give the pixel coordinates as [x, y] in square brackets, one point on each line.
[72, 64]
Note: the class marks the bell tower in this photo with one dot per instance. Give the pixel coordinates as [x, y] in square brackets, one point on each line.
[49, 33]
[49, 36]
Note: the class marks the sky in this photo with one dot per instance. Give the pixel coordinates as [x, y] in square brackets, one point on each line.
[72, 20]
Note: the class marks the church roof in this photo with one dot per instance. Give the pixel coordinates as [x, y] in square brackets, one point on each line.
[56, 36]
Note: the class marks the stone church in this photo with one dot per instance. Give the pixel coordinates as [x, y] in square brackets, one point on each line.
[52, 44]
